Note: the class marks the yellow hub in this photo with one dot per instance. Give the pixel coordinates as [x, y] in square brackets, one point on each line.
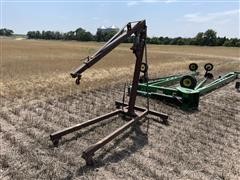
[143, 67]
[193, 66]
[187, 82]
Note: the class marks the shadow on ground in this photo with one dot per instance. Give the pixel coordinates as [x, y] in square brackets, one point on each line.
[139, 139]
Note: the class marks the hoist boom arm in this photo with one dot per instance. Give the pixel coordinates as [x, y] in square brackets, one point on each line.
[121, 36]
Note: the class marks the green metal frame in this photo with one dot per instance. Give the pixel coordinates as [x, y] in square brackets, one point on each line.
[187, 99]
[169, 80]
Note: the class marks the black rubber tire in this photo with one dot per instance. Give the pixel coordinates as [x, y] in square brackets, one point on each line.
[144, 67]
[237, 85]
[193, 66]
[188, 81]
[77, 81]
[208, 66]
[55, 142]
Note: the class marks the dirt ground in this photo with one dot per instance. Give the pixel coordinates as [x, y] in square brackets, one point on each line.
[204, 144]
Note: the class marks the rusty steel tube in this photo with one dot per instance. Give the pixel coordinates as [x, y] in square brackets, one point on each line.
[89, 152]
[63, 132]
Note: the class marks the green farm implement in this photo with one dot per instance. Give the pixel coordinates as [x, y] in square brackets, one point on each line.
[187, 95]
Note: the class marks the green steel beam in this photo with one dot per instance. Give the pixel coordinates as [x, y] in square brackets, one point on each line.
[170, 80]
[218, 83]
[186, 98]
[201, 83]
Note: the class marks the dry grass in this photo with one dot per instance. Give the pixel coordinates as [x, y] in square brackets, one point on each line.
[38, 97]
[45, 65]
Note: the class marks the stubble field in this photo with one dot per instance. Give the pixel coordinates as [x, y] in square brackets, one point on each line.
[39, 97]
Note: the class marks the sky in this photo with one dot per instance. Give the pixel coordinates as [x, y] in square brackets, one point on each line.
[171, 18]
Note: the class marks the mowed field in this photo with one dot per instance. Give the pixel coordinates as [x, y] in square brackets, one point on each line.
[39, 97]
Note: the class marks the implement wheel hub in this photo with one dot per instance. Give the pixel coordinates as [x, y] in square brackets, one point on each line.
[188, 81]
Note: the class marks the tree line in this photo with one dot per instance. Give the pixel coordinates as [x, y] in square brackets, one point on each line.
[207, 38]
[6, 32]
[79, 34]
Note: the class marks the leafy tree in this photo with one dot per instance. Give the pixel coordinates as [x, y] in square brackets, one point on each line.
[180, 41]
[69, 35]
[109, 34]
[228, 43]
[34, 35]
[6, 32]
[30, 35]
[199, 39]
[220, 41]
[43, 35]
[166, 40]
[99, 36]
[233, 42]
[237, 44]
[154, 40]
[210, 37]
[177, 41]
[161, 40]
[38, 35]
[83, 35]
[105, 35]
[88, 37]
[188, 41]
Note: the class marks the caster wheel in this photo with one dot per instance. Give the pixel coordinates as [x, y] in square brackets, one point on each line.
[208, 66]
[144, 67]
[55, 142]
[77, 81]
[188, 81]
[88, 159]
[193, 67]
[237, 85]
[90, 162]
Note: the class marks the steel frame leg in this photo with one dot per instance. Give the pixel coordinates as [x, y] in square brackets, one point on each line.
[88, 154]
[56, 136]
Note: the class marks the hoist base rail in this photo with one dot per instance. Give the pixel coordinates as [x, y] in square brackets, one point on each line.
[88, 154]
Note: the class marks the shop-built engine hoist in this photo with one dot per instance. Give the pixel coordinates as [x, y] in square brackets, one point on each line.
[133, 113]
